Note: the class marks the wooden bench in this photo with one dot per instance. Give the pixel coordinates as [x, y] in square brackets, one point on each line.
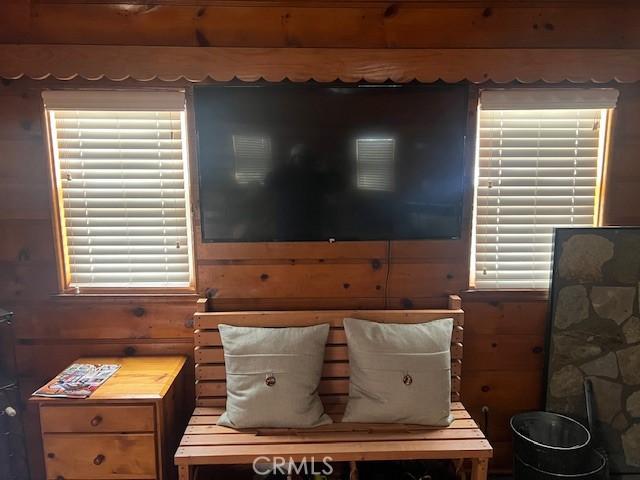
[205, 443]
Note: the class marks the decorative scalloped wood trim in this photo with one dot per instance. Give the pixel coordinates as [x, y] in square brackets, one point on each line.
[196, 64]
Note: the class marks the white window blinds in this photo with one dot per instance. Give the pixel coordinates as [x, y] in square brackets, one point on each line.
[121, 172]
[540, 155]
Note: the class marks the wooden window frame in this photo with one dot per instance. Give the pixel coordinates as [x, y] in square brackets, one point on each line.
[536, 294]
[57, 212]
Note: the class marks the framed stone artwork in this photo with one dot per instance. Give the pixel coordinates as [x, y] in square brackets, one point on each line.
[594, 332]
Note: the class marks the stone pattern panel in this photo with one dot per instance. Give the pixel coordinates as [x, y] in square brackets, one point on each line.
[595, 335]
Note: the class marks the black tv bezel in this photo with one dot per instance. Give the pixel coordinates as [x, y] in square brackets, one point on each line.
[286, 84]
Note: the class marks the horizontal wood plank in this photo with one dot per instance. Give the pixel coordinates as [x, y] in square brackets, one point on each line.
[304, 303]
[209, 411]
[310, 280]
[197, 429]
[292, 251]
[337, 336]
[357, 24]
[103, 318]
[211, 320]
[327, 386]
[205, 355]
[331, 369]
[248, 439]
[321, 64]
[339, 451]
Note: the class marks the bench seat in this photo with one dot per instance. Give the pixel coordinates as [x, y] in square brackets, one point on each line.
[205, 443]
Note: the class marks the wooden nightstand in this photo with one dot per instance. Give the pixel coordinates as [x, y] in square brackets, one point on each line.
[127, 429]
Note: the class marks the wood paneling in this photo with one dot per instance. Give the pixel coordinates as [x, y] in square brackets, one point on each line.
[332, 280]
[623, 170]
[475, 24]
[503, 334]
[120, 318]
[503, 363]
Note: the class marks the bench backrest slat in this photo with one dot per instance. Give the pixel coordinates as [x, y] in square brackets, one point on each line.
[334, 386]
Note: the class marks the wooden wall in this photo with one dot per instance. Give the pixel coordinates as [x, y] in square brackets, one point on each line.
[316, 23]
[504, 332]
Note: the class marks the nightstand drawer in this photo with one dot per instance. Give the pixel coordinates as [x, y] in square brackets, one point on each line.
[97, 418]
[100, 456]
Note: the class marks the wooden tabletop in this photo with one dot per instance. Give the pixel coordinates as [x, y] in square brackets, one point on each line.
[138, 378]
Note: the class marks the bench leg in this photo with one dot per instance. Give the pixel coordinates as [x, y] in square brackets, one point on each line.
[185, 472]
[479, 467]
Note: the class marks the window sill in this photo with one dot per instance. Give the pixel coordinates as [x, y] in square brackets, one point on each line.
[519, 295]
[122, 293]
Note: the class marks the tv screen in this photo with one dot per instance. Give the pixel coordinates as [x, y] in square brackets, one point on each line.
[317, 162]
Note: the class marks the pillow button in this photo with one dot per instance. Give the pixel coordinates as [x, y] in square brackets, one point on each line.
[407, 380]
[270, 381]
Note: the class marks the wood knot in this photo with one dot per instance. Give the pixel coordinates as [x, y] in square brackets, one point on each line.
[202, 40]
[376, 264]
[129, 351]
[391, 11]
[138, 311]
[407, 303]
[210, 292]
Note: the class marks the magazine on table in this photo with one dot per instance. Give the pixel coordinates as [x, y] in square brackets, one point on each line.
[79, 380]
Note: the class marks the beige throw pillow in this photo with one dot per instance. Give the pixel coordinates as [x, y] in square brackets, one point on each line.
[399, 373]
[273, 376]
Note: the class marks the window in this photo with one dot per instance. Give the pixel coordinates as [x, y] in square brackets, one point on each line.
[539, 164]
[375, 161]
[121, 178]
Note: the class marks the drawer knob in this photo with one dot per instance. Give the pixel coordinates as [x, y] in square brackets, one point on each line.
[59, 477]
[98, 460]
[95, 421]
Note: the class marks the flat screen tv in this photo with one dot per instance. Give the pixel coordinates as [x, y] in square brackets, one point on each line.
[320, 162]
